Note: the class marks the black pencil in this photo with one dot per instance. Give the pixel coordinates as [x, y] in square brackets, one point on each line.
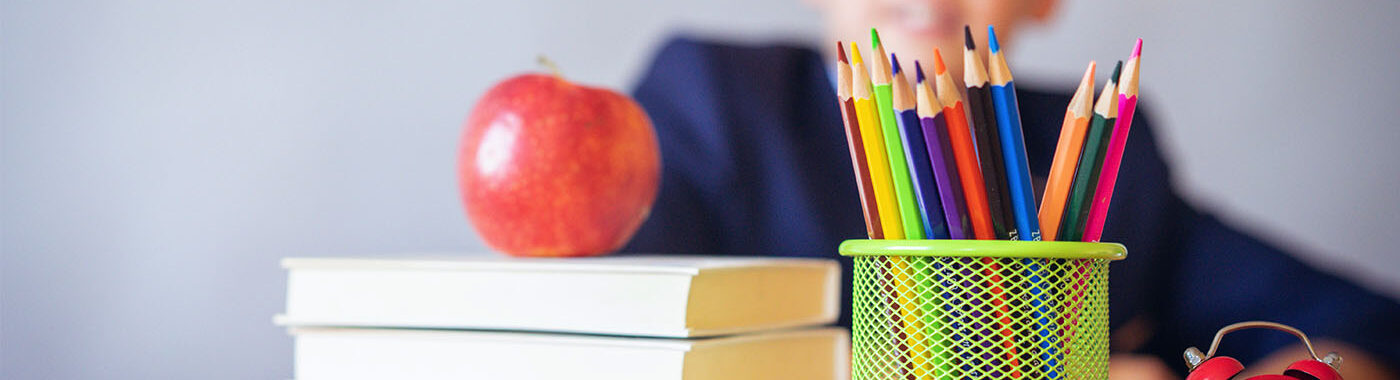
[984, 126]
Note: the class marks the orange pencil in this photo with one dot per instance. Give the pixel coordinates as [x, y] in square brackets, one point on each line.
[857, 147]
[964, 151]
[1052, 206]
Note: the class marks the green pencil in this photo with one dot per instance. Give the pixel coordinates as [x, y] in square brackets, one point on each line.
[1091, 160]
[910, 215]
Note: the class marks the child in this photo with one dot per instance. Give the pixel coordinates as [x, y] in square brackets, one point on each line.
[755, 163]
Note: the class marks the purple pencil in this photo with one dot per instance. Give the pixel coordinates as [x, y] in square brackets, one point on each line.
[940, 152]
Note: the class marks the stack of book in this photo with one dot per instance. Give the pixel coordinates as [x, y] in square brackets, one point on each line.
[620, 317]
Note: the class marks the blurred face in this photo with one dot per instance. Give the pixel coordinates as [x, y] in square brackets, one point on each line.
[912, 28]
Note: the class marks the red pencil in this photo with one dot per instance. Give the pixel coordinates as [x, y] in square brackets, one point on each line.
[857, 148]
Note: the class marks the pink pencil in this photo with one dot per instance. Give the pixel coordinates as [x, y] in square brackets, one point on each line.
[1127, 103]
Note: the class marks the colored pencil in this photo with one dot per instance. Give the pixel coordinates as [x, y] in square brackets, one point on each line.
[984, 126]
[1085, 178]
[1052, 205]
[965, 152]
[928, 185]
[1127, 103]
[933, 120]
[909, 219]
[940, 151]
[1013, 146]
[853, 143]
[1018, 179]
[894, 147]
[1067, 151]
[871, 136]
[1091, 161]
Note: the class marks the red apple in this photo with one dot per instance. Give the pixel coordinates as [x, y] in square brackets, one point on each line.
[551, 168]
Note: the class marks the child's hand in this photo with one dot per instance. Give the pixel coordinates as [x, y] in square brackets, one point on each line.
[1137, 367]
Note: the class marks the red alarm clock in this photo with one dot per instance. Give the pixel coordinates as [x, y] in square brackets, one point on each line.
[1210, 367]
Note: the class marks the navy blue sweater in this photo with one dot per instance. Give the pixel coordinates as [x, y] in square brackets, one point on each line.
[755, 163]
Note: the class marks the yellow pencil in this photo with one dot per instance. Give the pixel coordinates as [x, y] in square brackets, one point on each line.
[874, 147]
[872, 135]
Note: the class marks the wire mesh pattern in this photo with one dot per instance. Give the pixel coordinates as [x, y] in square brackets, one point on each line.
[919, 317]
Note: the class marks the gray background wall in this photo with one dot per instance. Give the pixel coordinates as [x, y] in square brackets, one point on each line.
[158, 157]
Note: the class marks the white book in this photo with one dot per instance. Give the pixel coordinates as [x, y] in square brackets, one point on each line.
[657, 296]
[352, 353]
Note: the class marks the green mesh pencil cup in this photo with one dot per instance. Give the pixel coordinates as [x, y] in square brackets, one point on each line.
[980, 309]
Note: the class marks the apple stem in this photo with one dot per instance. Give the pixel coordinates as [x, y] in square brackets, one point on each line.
[547, 63]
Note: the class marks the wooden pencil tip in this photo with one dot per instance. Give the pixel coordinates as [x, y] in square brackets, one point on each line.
[938, 67]
[855, 54]
[895, 62]
[918, 72]
[1086, 84]
[967, 38]
[840, 52]
[1137, 49]
[874, 39]
[992, 40]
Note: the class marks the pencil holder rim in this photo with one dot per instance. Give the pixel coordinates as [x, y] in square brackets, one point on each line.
[984, 248]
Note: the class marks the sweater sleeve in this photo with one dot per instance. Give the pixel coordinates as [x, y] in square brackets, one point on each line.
[1225, 276]
[1189, 274]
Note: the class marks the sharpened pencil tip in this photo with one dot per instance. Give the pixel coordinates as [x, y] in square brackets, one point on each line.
[855, 54]
[938, 67]
[840, 52]
[992, 40]
[1137, 49]
[895, 62]
[967, 38]
[1117, 70]
[874, 38]
[1088, 79]
[918, 72]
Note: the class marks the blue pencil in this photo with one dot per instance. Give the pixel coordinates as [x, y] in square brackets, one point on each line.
[1023, 204]
[916, 154]
[1013, 147]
